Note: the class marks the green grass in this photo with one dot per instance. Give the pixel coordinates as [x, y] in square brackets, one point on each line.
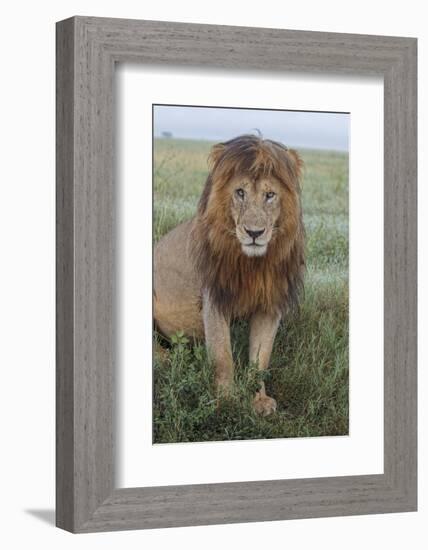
[308, 374]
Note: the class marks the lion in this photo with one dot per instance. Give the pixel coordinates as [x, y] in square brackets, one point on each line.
[240, 257]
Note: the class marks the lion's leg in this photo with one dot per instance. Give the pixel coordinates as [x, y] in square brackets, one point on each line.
[263, 328]
[217, 339]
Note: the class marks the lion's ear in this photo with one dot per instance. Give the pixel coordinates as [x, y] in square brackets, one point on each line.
[216, 151]
[297, 164]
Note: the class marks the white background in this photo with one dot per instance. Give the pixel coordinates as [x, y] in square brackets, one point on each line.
[362, 451]
[27, 273]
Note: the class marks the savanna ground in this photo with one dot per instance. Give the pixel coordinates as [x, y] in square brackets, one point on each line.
[308, 374]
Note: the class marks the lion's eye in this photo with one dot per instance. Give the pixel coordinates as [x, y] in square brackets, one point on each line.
[240, 192]
[270, 195]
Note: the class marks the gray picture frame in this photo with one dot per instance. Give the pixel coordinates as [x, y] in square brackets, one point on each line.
[87, 51]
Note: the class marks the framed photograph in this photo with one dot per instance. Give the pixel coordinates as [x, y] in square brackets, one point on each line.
[236, 274]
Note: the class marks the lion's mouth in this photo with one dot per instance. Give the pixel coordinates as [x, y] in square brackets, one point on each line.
[254, 249]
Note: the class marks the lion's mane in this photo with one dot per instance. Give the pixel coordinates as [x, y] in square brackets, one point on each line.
[240, 285]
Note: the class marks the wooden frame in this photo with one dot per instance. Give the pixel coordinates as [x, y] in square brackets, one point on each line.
[87, 50]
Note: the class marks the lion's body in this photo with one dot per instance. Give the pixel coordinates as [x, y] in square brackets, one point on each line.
[177, 299]
[241, 256]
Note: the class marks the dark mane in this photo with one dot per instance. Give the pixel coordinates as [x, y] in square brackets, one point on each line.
[240, 285]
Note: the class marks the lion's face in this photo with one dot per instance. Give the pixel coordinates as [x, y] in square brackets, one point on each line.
[255, 208]
[247, 240]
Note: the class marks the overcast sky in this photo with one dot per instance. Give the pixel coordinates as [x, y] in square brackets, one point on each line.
[315, 130]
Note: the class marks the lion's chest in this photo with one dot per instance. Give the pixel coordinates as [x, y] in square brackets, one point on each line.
[247, 289]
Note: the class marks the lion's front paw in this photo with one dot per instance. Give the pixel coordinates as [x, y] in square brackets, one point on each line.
[264, 405]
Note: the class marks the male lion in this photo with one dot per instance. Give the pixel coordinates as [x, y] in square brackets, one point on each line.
[241, 256]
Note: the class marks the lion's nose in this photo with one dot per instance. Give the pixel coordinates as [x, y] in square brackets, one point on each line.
[254, 234]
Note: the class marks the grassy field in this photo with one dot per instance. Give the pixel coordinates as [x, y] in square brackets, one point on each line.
[308, 375]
